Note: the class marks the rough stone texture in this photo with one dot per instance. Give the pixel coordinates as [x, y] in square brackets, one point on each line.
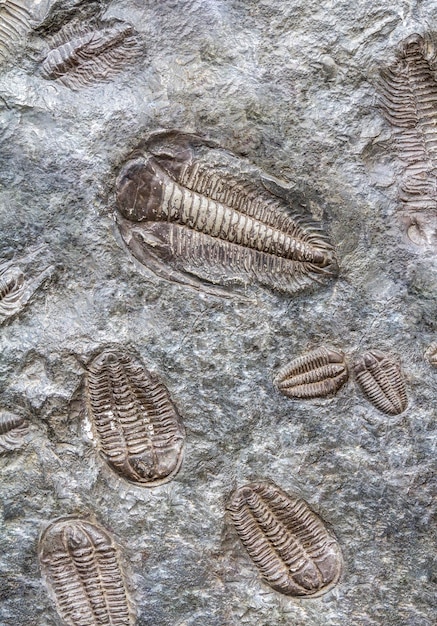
[290, 85]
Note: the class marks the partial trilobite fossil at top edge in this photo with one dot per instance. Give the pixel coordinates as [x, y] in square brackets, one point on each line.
[380, 377]
[287, 541]
[13, 429]
[14, 21]
[86, 54]
[317, 374]
[136, 425]
[408, 100]
[80, 566]
[195, 214]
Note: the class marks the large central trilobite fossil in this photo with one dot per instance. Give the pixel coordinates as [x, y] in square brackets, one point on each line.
[198, 215]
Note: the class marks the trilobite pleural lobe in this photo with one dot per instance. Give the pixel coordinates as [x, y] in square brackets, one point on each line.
[380, 377]
[80, 566]
[286, 540]
[319, 373]
[200, 216]
[137, 427]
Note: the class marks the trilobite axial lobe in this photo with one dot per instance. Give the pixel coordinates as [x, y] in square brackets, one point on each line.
[80, 565]
[286, 540]
[317, 374]
[381, 380]
[136, 425]
[193, 216]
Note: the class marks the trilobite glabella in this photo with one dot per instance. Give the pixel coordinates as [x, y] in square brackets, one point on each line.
[317, 374]
[80, 566]
[136, 425]
[287, 541]
[195, 214]
[13, 429]
[380, 377]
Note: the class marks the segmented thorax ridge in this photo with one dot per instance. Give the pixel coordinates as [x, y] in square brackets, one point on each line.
[14, 21]
[380, 377]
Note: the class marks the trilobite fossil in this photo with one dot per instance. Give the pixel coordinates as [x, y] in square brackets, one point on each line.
[380, 378]
[14, 21]
[286, 540]
[80, 566]
[317, 374]
[86, 54]
[431, 354]
[136, 425]
[197, 215]
[13, 429]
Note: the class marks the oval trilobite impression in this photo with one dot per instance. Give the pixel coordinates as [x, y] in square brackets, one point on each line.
[13, 429]
[317, 374]
[137, 427]
[79, 564]
[287, 541]
[431, 354]
[380, 377]
[197, 215]
[82, 55]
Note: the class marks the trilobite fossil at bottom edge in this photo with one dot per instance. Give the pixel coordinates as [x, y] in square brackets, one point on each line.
[196, 214]
[286, 540]
[80, 566]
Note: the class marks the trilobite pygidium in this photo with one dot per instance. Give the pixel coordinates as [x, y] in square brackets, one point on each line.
[197, 215]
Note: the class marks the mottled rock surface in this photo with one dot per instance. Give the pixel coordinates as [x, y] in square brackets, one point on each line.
[291, 86]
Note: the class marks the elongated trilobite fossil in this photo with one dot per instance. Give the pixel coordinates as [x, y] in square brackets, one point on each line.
[431, 354]
[409, 102]
[380, 377]
[14, 22]
[287, 541]
[317, 374]
[80, 566]
[82, 55]
[137, 427]
[18, 286]
[197, 215]
[13, 429]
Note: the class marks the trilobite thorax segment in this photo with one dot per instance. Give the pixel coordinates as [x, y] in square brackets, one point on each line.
[13, 429]
[380, 378]
[80, 566]
[317, 374]
[14, 21]
[287, 541]
[136, 426]
[208, 220]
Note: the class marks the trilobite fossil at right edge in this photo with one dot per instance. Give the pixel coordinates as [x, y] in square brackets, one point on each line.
[287, 541]
[195, 214]
[380, 377]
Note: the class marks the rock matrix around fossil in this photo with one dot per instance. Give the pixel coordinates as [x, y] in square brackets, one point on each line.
[13, 429]
[80, 566]
[134, 422]
[288, 543]
[318, 374]
[197, 215]
[380, 378]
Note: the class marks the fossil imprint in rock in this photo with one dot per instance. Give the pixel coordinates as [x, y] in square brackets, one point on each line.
[317, 374]
[195, 214]
[286, 540]
[13, 429]
[80, 566]
[381, 380]
[14, 21]
[134, 422]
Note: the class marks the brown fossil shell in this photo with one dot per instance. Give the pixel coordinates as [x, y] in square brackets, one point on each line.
[286, 540]
[80, 566]
[318, 374]
[380, 378]
[136, 425]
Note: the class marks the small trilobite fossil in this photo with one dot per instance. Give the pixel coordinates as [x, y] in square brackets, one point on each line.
[381, 380]
[18, 282]
[80, 566]
[431, 354]
[288, 543]
[317, 374]
[195, 214]
[14, 21]
[134, 422]
[82, 55]
[13, 429]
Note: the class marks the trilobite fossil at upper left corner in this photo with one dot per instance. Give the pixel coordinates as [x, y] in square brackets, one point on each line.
[195, 214]
[136, 425]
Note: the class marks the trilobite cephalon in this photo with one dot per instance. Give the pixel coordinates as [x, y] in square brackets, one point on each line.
[80, 566]
[13, 429]
[317, 374]
[195, 214]
[136, 425]
[287, 541]
[380, 377]
[408, 99]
